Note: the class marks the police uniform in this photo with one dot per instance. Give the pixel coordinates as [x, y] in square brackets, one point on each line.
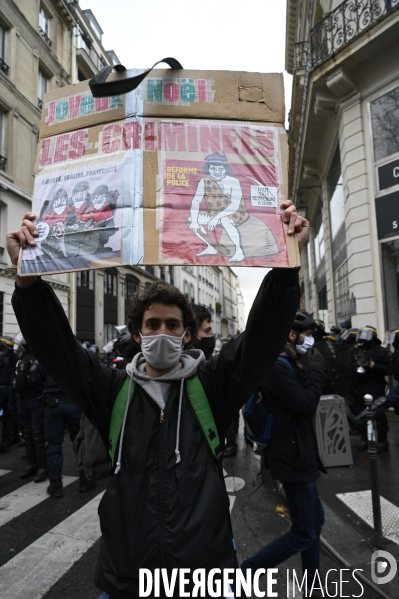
[60, 413]
[8, 360]
[28, 385]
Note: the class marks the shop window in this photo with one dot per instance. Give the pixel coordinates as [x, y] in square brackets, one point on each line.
[85, 278]
[42, 88]
[110, 282]
[109, 332]
[132, 286]
[342, 297]
[322, 298]
[390, 263]
[384, 120]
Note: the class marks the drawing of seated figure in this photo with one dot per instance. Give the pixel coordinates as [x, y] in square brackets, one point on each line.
[243, 234]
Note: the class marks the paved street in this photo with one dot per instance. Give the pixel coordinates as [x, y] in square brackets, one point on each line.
[49, 546]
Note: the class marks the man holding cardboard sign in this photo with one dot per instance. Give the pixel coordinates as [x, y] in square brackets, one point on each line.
[166, 506]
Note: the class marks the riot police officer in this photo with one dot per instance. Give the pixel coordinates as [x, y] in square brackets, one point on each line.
[371, 363]
[343, 383]
[60, 413]
[326, 344]
[28, 385]
[8, 359]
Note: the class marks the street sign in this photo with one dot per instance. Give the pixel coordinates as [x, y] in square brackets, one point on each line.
[388, 174]
[387, 210]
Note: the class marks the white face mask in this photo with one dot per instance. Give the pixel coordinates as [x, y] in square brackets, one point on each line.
[161, 351]
[307, 344]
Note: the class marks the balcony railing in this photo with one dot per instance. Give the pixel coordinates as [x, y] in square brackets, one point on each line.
[39, 103]
[341, 27]
[300, 55]
[3, 161]
[3, 66]
[45, 37]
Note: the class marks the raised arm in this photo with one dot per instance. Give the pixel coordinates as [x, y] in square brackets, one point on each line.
[46, 329]
[244, 361]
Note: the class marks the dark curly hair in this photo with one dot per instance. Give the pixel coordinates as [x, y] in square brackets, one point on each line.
[163, 293]
[201, 313]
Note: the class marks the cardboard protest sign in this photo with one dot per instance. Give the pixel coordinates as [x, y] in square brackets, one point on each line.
[116, 185]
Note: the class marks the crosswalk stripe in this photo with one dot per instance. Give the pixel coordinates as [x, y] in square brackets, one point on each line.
[3, 472]
[360, 502]
[16, 503]
[31, 573]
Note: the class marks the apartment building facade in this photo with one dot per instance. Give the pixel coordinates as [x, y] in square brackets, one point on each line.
[45, 44]
[344, 155]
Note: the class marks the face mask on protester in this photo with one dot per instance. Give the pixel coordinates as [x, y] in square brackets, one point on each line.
[307, 344]
[208, 345]
[161, 351]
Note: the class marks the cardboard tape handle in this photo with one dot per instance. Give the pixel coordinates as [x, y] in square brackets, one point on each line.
[100, 87]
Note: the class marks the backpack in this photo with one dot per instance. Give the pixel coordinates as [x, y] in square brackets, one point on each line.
[198, 403]
[258, 419]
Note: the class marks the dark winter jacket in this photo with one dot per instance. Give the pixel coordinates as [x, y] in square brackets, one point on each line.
[292, 453]
[373, 381]
[157, 513]
[29, 377]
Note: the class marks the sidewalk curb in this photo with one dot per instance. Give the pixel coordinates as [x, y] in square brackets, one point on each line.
[338, 556]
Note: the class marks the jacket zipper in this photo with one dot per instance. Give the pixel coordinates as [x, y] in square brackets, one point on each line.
[161, 494]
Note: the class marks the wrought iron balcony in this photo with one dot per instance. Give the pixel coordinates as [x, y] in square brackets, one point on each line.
[341, 27]
[300, 55]
[46, 38]
[3, 161]
[3, 66]
[39, 103]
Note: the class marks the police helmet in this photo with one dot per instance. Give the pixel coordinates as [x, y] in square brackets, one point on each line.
[350, 335]
[365, 334]
[8, 341]
[320, 326]
[345, 324]
[392, 337]
[303, 321]
[94, 348]
[86, 344]
[335, 330]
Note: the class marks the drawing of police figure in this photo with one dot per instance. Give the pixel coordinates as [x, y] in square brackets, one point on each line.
[80, 201]
[54, 245]
[243, 235]
[98, 221]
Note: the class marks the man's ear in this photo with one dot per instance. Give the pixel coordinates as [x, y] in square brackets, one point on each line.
[292, 336]
[137, 338]
[187, 337]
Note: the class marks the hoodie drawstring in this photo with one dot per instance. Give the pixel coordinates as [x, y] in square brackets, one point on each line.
[177, 452]
[119, 460]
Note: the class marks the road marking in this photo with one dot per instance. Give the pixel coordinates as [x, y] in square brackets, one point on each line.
[2, 472]
[360, 503]
[16, 503]
[233, 484]
[232, 499]
[31, 573]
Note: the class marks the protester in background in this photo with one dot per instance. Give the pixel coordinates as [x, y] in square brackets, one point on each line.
[371, 363]
[8, 360]
[293, 396]
[327, 345]
[204, 339]
[60, 414]
[180, 516]
[28, 385]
